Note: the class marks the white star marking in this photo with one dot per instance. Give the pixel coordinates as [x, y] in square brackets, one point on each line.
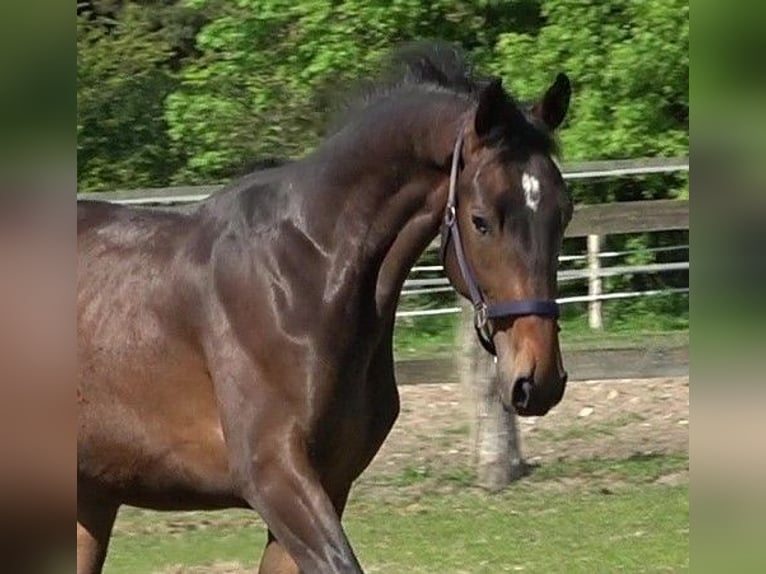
[531, 187]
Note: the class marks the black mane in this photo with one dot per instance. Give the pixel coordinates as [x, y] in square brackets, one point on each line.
[435, 64]
[434, 67]
[427, 66]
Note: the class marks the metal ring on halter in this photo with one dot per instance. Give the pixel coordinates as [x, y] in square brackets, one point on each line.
[449, 215]
[480, 317]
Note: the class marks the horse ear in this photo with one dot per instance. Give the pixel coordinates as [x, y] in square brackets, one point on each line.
[553, 106]
[492, 108]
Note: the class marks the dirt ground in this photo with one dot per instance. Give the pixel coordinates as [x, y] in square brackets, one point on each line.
[600, 419]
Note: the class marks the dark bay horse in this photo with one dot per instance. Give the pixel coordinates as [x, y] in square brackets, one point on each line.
[241, 355]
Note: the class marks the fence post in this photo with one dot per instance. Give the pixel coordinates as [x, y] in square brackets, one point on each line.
[494, 434]
[595, 320]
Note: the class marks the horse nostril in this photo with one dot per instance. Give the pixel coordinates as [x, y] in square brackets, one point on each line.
[521, 393]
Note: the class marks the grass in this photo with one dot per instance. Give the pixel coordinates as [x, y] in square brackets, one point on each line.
[598, 473]
[425, 336]
[644, 530]
[435, 336]
[590, 429]
[562, 519]
[639, 469]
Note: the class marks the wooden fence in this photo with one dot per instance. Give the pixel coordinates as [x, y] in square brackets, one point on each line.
[579, 170]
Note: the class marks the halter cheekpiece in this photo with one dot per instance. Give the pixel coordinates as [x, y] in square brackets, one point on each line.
[483, 312]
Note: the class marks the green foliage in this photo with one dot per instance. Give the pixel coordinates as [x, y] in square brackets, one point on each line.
[122, 81]
[264, 82]
[258, 77]
[629, 64]
[271, 70]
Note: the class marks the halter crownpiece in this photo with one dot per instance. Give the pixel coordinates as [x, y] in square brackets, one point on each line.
[483, 312]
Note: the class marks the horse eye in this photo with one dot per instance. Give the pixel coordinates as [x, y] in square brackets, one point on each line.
[480, 224]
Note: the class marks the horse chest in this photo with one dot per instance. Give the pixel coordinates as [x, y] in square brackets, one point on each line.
[353, 434]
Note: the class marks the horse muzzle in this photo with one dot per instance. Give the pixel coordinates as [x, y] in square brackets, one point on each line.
[529, 399]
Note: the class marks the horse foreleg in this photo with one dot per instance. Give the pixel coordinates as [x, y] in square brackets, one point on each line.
[285, 490]
[277, 560]
[95, 518]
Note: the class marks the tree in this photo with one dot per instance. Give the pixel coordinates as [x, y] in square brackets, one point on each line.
[629, 62]
[272, 70]
[127, 53]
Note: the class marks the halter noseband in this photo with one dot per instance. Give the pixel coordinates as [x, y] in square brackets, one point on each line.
[483, 312]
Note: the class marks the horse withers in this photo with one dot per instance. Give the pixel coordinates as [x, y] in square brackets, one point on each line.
[241, 355]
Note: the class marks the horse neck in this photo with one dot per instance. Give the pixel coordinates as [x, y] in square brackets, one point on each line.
[390, 180]
[400, 249]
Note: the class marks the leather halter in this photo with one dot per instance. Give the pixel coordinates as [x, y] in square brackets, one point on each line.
[483, 312]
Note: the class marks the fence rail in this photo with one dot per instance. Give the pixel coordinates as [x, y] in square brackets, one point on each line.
[579, 170]
[629, 217]
[573, 274]
[620, 167]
